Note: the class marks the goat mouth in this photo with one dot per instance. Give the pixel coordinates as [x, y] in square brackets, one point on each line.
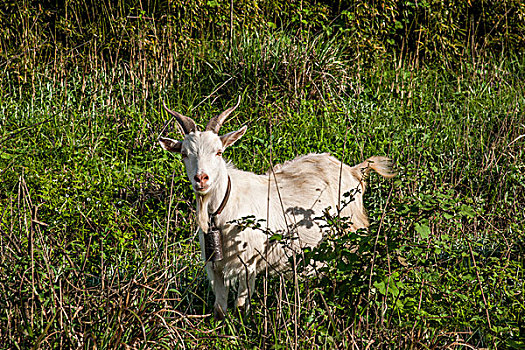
[201, 189]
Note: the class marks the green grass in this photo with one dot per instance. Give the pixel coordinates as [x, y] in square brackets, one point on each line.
[98, 243]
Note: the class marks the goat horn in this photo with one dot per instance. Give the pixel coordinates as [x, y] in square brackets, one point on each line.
[215, 123]
[187, 124]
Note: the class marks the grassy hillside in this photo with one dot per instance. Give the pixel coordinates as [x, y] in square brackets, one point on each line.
[98, 244]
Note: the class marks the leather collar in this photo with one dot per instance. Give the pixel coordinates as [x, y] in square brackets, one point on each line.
[224, 200]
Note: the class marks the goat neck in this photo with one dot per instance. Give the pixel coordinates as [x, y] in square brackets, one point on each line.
[209, 203]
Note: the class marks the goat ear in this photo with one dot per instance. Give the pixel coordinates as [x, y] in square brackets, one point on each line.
[230, 138]
[170, 145]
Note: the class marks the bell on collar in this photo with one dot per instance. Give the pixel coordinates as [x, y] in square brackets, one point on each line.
[212, 239]
[213, 244]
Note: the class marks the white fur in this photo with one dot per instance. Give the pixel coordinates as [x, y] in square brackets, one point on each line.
[286, 200]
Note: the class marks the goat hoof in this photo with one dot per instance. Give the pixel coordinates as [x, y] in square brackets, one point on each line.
[218, 313]
[243, 311]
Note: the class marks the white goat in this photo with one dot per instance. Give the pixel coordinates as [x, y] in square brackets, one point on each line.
[288, 199]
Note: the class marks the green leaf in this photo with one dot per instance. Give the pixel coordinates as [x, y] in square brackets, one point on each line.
[448, 216]
[276, 237]
[393, 287]
[466, 210]
[381, 287]
[423, 230]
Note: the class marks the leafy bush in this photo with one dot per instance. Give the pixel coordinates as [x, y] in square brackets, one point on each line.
[89, 33]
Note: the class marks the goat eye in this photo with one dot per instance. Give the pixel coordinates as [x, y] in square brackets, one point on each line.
[184, 155]
[219, 153]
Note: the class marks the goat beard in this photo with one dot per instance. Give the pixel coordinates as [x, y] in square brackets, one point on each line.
[202, 211]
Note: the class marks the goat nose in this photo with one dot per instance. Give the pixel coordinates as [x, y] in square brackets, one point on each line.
[201, 178]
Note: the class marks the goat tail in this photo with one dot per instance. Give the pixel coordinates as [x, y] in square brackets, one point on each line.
[381, 165]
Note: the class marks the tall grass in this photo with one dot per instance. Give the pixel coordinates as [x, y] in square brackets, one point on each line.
[97, 225]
